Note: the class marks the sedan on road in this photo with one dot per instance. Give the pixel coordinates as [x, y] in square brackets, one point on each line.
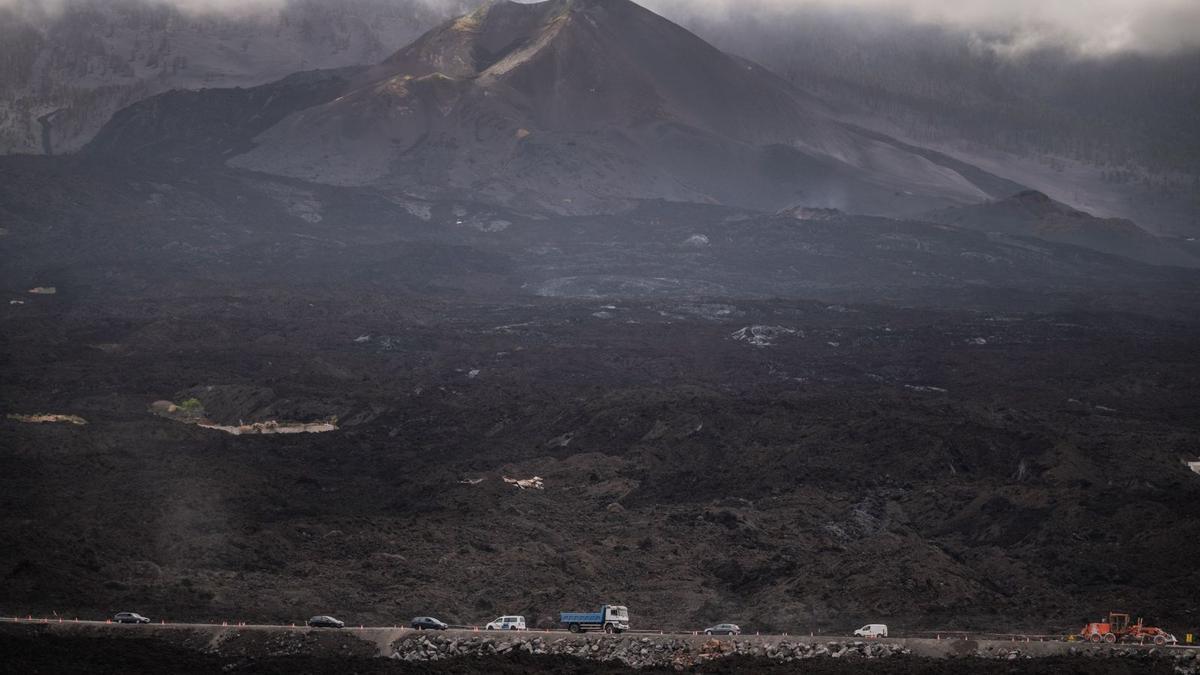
[129, 617]
[427, 623]
[724, 629]
[323, 621]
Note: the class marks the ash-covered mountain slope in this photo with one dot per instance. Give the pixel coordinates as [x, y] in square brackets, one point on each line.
[67, 66]
[584, 105]
[1032, 213]
[1114, 135]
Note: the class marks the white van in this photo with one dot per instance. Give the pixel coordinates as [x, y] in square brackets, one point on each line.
[872, 630]
[507, 623]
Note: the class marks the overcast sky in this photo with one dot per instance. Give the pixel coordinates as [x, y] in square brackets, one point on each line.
[1092, 26]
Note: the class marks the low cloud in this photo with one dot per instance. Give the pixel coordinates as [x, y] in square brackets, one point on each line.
[1092, 27]
[228, 7]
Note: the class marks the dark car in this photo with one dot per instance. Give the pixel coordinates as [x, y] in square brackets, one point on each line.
[129, 617]
[724, 629]
[427, 623]
[323, 621]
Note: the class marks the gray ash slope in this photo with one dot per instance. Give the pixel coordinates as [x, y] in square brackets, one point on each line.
[576, 107]
[580, 107]
[66, 67]
[1033, 214]
[1115, 135]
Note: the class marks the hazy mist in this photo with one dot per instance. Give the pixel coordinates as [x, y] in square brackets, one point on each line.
[1092, 27]
[1089, 27]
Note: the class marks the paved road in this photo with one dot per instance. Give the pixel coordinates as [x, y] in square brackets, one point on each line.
[378, 633]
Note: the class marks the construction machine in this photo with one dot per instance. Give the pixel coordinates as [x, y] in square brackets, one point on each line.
[1118, 627]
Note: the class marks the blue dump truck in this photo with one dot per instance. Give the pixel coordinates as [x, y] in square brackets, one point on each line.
[610, 619]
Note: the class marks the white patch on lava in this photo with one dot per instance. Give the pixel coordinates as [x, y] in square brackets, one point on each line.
[761, 336]
[531, 483]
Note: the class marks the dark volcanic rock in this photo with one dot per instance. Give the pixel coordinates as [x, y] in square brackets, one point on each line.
[801, 420]
[1033, 214]
[210, 125]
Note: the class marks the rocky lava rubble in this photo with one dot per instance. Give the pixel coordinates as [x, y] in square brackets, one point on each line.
[633, 651]
[680, 652]
[1185, 661]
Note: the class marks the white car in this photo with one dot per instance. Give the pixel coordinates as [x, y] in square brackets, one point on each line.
[507, 623]
[872, 630]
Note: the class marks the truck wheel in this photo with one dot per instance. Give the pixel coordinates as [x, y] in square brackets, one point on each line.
[490, 628]
[1160, 640]
[1095, 637]
[608, 628]
[574, 628]
[1110, 638]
